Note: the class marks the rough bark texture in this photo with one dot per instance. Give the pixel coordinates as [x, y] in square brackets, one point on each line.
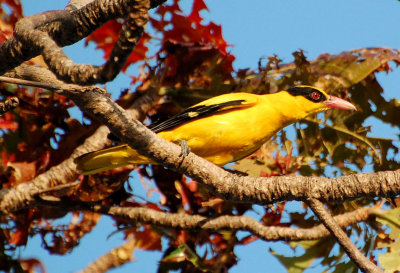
[329, 222]
[47, 32]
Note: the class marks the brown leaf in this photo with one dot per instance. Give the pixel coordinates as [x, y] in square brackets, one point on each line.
[64, 240]
[145, 238]
[101, 186]
[32, 266]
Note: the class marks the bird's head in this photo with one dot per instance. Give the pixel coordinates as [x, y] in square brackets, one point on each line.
[312, 100]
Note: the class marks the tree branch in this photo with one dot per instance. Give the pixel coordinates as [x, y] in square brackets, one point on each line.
[22, 195]
[115, 258]
[227, 222]
[26, 30]
[228, 186]
[46, 33]
[329, 222]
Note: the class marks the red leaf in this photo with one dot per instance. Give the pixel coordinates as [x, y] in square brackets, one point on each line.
[198, 5]
[5, 158]
[248, 239]
[173, 8]
[180, 188]
[183, 237]
[8, 124]
[146, 239]
[18, 238]
[105, 37]
[219, 242]
[215, 36]
[193, 186]
[23, 171]
[45, 161]
[13, 12]
[139, 52]
[32, 265]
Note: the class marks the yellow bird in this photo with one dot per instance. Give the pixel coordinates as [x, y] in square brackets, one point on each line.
[225, 128]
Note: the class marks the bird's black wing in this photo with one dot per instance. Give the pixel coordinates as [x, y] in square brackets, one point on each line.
[195, 112]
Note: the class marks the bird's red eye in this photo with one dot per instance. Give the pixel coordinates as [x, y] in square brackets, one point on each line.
[315, 95]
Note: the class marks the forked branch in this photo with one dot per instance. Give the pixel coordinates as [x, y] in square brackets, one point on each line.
[329, 222]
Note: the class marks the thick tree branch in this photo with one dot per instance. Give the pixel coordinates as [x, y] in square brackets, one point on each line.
[329, 222]
[46, 33]
[26, 30]
[22, 195]
[77, 4]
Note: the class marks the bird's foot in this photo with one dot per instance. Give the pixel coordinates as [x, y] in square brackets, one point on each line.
[185, 149]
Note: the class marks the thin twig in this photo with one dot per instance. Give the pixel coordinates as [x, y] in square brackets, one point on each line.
[329, 222]
[49, 86]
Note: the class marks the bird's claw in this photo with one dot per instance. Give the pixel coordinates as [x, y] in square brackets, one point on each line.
[185, 149]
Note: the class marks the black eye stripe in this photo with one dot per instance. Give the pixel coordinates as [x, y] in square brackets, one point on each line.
[307, 92]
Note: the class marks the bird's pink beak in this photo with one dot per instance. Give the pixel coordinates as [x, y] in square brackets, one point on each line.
[335, 102]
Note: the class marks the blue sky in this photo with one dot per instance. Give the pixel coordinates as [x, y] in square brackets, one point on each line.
[254, 28]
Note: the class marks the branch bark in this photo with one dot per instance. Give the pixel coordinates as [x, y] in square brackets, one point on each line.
[228, 186]
[47, 32]
[27, 31]
[185, 221]
[229, 222]
[329, 222]
[22, 195]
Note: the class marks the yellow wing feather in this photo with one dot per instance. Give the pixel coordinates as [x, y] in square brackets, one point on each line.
[109, 158]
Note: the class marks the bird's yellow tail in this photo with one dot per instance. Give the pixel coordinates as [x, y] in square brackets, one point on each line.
[109, 158]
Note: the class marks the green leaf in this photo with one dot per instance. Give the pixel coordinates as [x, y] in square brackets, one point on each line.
[390, 259]
[344, 130]
[300, 263]
[348, 267]
[251, 167]
[184, 253]
[176, 256]
[295, 264]
[351, 67]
